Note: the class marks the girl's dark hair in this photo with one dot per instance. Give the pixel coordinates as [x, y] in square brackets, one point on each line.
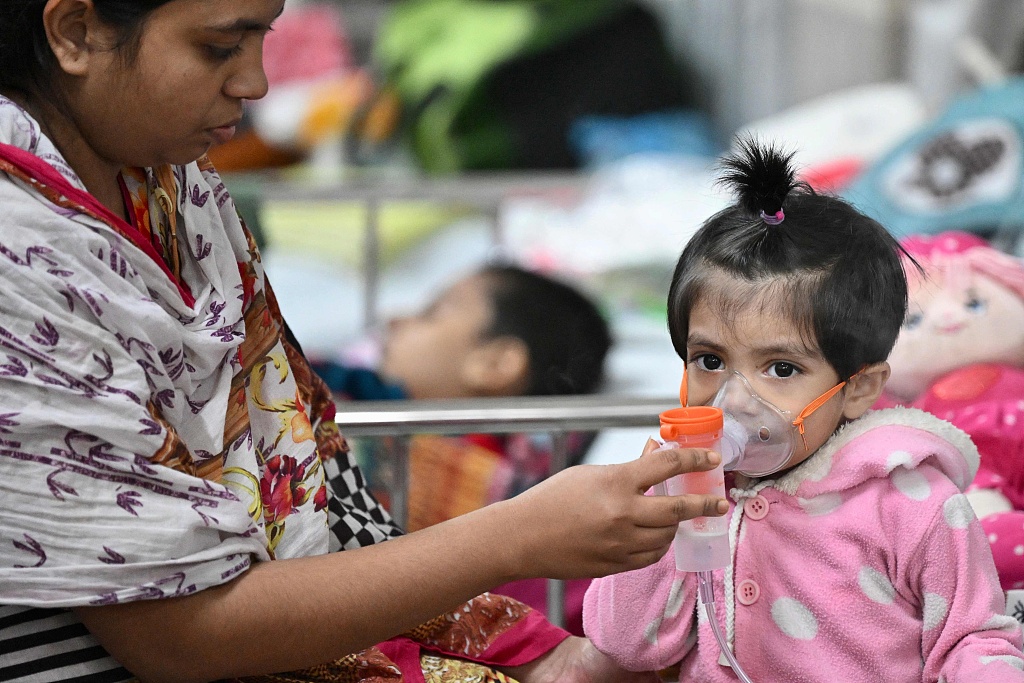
[27, 63]
[565, 334]
[833, 271]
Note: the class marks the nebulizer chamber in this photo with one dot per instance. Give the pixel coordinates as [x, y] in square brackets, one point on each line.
[754, 438]
[701, 543]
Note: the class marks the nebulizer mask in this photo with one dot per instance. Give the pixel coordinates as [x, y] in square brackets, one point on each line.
[755, 438]
[758, 438]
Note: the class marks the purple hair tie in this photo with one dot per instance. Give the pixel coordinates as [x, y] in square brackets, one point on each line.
[775, 219]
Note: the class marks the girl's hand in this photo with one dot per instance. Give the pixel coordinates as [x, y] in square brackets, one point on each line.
[595, 520]
[576, 660]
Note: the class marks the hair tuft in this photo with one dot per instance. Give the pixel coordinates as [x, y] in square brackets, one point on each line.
[760, 175]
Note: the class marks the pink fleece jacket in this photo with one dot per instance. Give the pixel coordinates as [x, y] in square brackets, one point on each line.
[865, 563]
[987, 402]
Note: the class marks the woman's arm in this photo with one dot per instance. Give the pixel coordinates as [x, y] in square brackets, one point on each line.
[291, 614]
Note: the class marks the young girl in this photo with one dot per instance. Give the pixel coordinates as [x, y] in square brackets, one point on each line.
[859, 558]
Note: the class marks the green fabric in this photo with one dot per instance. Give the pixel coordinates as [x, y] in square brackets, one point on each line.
[437, 54]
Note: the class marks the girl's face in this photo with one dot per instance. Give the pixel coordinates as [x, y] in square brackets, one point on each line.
[197, 62]
[951, 326]
[772, 354]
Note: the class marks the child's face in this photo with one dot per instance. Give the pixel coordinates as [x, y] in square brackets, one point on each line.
[770, 352]
[426, 352]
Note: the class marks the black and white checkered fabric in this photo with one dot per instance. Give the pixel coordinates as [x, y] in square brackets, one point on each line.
[355, 517]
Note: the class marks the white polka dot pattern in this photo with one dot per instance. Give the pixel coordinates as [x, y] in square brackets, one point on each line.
[675, 599]
[651, 632]
[958, 511]
[794, 619]
[821, 505]
[935, 609]
[673, 604]
[1015, 662]
[897, 459]
[876, 586]
[1001, 622]
[911, 483]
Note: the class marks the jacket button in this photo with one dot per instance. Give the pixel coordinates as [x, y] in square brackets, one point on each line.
[756, 508]
[748, 592]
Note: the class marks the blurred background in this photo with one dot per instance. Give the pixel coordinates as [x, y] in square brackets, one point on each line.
[404, 140]
[405, 143]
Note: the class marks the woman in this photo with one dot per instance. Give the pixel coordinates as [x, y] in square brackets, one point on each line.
[162, 440]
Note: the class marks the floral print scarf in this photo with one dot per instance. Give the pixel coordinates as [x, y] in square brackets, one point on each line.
[113, 361]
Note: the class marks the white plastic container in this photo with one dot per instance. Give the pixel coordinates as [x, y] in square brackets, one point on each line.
[702, 543]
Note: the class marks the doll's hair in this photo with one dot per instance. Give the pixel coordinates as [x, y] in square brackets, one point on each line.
[953, 255]
[811, 257]
[27, 63]
[565, 334]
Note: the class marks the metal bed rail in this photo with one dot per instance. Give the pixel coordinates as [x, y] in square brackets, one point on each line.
[557, 415]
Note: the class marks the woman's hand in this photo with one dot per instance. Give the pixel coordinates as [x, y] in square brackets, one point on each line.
[595, 520]
[576, 660]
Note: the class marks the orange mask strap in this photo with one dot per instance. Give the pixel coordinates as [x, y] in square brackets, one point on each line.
[812, 406]
[682, 389]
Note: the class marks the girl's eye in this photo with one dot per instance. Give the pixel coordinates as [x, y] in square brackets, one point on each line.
[222, 54]
[975, 305]
[708, 362]
[913, 321]
[782, 369]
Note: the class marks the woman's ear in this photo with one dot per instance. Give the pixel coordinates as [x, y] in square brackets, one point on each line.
[863, 389]
[497, 367]
[75, 33]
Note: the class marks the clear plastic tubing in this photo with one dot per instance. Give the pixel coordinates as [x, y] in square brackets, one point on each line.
[706, 590]
[702, 543]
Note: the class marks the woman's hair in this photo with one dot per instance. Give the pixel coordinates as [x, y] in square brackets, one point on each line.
[566, 336]
[27, 63]
[830, 269]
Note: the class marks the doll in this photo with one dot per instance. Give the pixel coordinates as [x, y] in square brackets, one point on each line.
[960, 356]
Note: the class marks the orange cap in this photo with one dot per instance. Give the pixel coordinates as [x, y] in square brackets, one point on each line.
[691, 421]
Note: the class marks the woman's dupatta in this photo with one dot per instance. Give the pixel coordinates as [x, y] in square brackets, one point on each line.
[276, 432]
